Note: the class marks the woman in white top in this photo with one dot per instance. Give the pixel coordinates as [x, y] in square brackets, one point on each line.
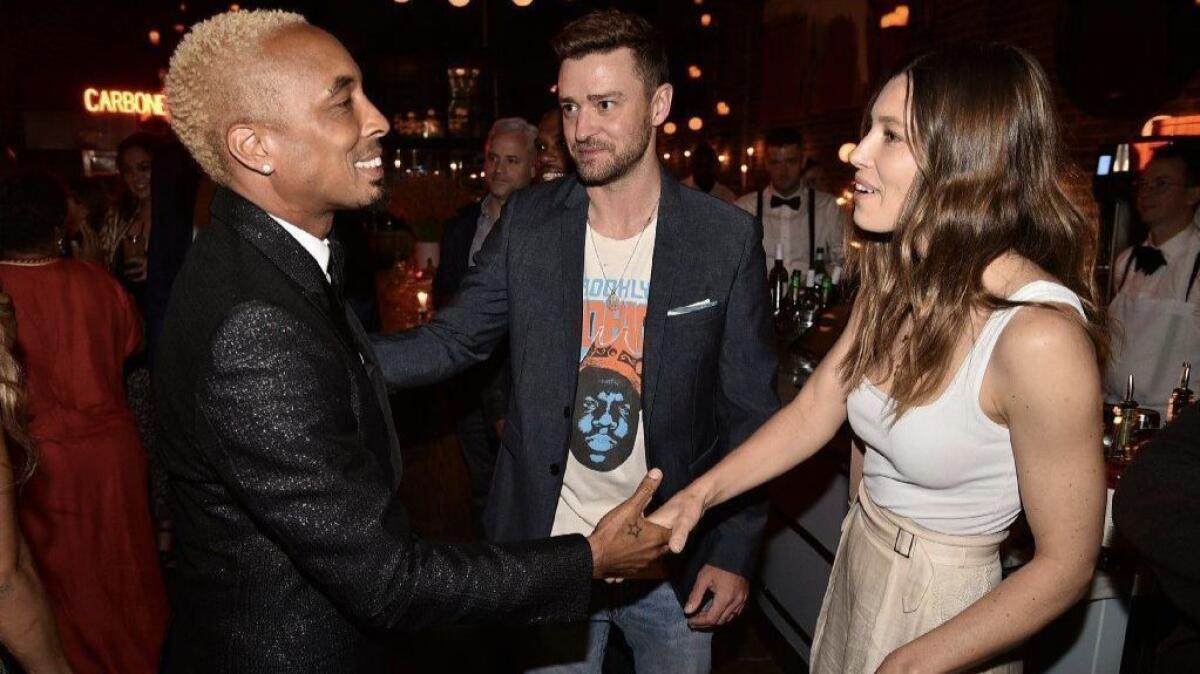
[969, 371]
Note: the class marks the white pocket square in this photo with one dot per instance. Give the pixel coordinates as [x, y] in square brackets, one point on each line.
[694, 306]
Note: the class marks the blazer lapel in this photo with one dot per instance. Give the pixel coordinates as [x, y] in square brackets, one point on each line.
[669, 260]
[255, 226]
[572, 229]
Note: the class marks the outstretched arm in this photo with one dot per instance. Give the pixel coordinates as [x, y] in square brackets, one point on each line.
[276, 407]
[792, 435]
[462, 333]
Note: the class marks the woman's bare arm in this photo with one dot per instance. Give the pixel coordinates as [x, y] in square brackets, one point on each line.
[794, 434]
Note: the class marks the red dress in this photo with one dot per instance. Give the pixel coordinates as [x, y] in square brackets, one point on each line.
[85, 511]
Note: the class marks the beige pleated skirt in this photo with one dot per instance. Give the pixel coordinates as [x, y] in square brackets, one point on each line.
[894, 580]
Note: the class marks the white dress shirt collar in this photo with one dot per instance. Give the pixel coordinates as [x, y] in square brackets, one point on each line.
[318, 248]
[1182, 244]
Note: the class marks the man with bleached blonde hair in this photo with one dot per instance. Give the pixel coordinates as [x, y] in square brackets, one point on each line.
[294, 555]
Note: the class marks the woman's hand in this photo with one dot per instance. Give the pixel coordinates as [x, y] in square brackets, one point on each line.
[680, 515]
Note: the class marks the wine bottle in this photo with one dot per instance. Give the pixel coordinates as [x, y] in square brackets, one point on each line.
[777, 281]
[1182, 396]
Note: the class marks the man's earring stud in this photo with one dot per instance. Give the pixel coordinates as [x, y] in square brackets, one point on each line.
[267, 169]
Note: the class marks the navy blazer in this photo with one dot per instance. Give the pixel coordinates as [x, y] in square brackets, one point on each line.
[708, 376]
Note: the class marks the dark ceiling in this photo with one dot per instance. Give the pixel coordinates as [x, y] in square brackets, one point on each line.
[51, 50]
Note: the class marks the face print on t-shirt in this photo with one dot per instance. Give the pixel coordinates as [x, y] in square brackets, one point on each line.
[606, 418]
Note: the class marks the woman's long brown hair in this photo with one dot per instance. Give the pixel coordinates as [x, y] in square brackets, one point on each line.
[992, 178]
[12, 394]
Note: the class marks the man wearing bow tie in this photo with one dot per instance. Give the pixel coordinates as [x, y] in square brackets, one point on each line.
[1156, 302]
[797, 217]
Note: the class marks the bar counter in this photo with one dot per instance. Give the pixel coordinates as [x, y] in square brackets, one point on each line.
[808, 504]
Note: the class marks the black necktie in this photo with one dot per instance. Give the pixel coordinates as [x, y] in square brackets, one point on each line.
[1147, 259]
[793, 203]
[337, 268]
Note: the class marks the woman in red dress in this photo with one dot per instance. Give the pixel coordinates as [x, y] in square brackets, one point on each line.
[85, 512]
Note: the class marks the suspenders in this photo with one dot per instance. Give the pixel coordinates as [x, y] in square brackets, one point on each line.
[812, 226]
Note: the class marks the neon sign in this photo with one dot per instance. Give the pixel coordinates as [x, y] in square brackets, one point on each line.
[141, 103]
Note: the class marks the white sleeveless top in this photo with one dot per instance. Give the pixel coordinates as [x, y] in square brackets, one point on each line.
[946, 465]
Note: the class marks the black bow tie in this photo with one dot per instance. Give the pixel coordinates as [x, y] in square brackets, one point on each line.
[793, 203]
[337, 267]
[1147, 259]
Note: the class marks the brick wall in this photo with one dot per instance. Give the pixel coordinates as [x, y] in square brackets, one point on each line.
[1027, 23]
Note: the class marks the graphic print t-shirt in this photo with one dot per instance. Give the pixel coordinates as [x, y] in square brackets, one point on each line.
[608, 448]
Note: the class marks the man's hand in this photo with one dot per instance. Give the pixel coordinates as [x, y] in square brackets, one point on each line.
[729, 592]
[624, 542]
[680, 515]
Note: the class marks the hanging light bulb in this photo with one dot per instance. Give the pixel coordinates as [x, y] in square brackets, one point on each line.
[722, 108]
[695, 124]
[155, 37]
[670, 128]
[522, 3]
[844, 152]
[706, 20]
[694, 72]
[460, 3]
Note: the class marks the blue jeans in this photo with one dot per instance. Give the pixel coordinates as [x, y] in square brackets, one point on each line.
[648, 615]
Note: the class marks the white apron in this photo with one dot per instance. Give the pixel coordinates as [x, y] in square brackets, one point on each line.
[1158, 336]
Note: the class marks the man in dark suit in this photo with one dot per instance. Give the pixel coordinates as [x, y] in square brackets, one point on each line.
[479, 396]
[1157, 511]
[293, 555]
[639, 333]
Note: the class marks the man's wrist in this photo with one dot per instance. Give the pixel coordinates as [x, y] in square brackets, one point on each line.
[597, 553]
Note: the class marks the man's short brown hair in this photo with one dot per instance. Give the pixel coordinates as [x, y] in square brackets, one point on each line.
[608, 30]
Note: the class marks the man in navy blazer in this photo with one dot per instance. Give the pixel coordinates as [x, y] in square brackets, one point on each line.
[639, 332]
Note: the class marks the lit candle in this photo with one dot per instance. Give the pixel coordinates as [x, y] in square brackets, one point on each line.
[423, 300]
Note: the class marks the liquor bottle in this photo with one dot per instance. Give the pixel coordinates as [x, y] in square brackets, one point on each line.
[807, 305]
[1182, 396]
[777, 281]
[1124, 415]
[785, 317]
[1124, 418]
[795, 290]
[819, 264]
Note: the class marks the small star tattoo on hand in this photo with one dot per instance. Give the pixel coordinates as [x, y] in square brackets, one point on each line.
[635, 529]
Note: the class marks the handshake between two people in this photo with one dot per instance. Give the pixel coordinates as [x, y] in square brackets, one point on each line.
[626, 543]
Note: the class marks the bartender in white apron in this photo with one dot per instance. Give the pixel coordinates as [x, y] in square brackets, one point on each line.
[1156, 307]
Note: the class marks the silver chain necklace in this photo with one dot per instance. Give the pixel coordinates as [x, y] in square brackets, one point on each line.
[612, 301]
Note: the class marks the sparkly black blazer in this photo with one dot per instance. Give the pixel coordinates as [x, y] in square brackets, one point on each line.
[293, 554]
